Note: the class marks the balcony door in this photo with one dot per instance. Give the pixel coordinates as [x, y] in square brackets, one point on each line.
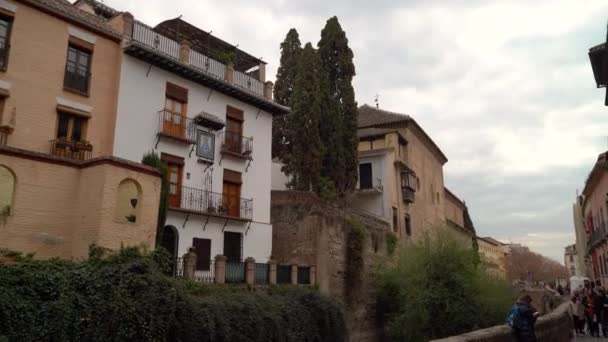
[232, 193]
[233, 246]
[234, 130]
[175, 168]
[174, 123]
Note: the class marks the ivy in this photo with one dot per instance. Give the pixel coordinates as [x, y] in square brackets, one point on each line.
[355, 253]
[152, 159]
[125, 296]
[391, 243]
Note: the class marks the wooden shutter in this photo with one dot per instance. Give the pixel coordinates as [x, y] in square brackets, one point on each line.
[234, 113]
[171, 159]
[177, 93]
[232, 177]
[202, 248]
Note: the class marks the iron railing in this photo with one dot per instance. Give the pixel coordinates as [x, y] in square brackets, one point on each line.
[211, 203]
[245, 81]
[176, 126]
[4, 133]
[77, 81]
[208, 65]
[5, 48]
[261, 274]
[235, 272]
[303, 275]
[374, 184]
[144, 34]
[71, 149]
[205, 273]
[235, 143]
[409, 195]
[283, 274]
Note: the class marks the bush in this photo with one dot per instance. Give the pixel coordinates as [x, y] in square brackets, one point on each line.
[434, 289]
[126, 297]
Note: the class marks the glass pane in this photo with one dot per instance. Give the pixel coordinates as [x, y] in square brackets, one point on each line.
[77, 129]
[62, 126]
[178, 107]
[168, 104]
[72, 56]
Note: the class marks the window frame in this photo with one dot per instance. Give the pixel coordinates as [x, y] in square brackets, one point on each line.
[70, 126]
[7, 39]
[79, 49]
[371, 176]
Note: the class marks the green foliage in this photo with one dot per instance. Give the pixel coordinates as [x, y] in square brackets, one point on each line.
[433, 289]
[391, 243]
[152, 159]
[125, 296]
[283, 89]
[340, 114]
[355, 256]
[226, 57]
[303, 162]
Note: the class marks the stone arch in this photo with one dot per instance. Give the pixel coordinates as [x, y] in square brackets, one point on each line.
[128, 201]
[170, 240]
[8, 184]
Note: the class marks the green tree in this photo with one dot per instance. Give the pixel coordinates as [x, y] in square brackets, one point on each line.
[303, 161]
[283, 89]
[433, 289]
[337, 61]
[152, 159]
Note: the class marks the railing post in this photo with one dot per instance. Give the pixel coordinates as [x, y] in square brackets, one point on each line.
[220, 269]
[230, 72]
[189, 264]
[250, 270]
[184, 52]
[268, 90]
[272, 273]
[313, 275]
[262, 72]
[294, 274]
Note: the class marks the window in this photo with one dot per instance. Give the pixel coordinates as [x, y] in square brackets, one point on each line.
[7, 192]
[408, 225]
[395, 220]
[6, 25]
[233, 246]
[71, 137]
[174, 123]
[365, 176]
[571, 258]
[174, 174]
[234, 130]
[232, 193]
[408, 180]
[128, 201]
[202, 248]
[205, 145]
[77, 70]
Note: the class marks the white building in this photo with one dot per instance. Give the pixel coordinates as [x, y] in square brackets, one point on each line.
[211, 122]
[571, 261]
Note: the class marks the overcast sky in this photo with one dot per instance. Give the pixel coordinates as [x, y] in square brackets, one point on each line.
[505, 89]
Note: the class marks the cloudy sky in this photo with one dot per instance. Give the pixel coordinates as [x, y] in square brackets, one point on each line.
[505, 88]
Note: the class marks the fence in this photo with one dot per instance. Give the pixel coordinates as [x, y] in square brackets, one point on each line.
[245, 81]
[261, 274]
[176, 125]
[284, 274]
[208, 202]
[235, 272]
[144, 34]
[234, 142]
[71, 149]
[208, 65]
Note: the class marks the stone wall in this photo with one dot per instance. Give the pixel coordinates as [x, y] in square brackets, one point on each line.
[307, 231]
[555, 326]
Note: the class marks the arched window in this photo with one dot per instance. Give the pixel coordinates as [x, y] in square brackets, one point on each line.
[7, 191]
[128, 201]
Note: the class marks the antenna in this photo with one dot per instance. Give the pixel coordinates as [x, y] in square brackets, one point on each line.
[377, 100]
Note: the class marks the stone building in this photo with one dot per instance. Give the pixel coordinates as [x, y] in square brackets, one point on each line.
[60, 187]
[492, 253]
[571, 260]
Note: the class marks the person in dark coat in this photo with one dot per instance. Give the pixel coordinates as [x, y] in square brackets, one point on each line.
[523, 327]
[591, 313]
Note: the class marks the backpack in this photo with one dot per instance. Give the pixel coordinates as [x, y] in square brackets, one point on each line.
[513, 317]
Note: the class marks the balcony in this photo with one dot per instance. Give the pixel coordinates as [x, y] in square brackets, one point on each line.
[408, 194]
[76, 81]
[80, 150]
[236, 145]
[370, 186]
[5, 131]
[203, 202]
[176, 127]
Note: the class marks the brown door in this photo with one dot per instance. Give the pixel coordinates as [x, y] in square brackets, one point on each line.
[174, 172]
[232, 198]
[234, 133]
[174, 118]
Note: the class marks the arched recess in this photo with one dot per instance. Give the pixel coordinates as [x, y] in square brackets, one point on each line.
[128, 201]
[170, 240]
[8, 181]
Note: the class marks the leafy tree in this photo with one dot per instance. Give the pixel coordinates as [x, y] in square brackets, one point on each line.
[283, 89]
[152, 159]
[303, 162]
[337, 60]
[433, 289]
[521, 262]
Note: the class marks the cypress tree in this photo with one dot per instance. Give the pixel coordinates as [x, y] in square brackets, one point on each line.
[283, 89]
[337, 61]
[303, 160]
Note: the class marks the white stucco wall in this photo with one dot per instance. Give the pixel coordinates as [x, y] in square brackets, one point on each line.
[142, 95]
[376, 203]
[279, 179]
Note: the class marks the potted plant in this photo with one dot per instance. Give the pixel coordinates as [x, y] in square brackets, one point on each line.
[226, 57]
[61, 143]
[83, 145]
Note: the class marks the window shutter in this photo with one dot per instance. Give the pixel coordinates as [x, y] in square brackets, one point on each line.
[234, 113]
[177, 93]
[232, 176]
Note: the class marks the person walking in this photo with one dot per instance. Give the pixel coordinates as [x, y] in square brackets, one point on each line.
[576, 310]
[522, 318]
[589, 303]
[602, 305]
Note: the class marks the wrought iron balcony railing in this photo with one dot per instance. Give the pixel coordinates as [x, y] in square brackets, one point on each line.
[176, 126]
[77, 81]
[5, 48]
[210, 203]
[408, 194]
[370, 186]
[71, 149]
[235, 144]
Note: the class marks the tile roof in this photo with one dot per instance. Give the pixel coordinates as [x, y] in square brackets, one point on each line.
[371, 116]
[100, 8]
[64, 9]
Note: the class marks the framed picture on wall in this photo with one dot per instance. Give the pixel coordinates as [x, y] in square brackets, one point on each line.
[205, 145]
